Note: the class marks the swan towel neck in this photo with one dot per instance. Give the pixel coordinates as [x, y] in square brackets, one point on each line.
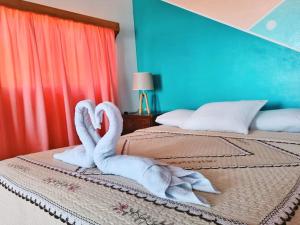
[85, 124]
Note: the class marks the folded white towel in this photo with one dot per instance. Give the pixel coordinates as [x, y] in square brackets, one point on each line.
[162, 180]
[86, 125]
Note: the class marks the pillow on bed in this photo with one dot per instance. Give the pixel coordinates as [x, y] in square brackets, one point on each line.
[174, 118]
[224, 116]
[280, 120]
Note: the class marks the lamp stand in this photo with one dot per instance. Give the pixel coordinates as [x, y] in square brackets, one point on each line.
[142, 96]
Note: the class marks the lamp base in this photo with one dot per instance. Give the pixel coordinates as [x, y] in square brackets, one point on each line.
[142, 96]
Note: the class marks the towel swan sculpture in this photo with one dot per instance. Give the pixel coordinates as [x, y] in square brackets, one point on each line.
[165, 181]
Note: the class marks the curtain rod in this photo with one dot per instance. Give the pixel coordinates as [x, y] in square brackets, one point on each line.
[41, 9]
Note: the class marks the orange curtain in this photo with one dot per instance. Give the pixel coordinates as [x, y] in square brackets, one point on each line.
[47, 65]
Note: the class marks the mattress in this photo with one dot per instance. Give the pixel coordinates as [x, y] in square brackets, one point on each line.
[258, 176]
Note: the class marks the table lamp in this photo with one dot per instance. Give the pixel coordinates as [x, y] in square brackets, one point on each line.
[143, 82]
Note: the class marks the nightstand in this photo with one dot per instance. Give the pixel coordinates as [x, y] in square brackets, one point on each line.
[133, 122]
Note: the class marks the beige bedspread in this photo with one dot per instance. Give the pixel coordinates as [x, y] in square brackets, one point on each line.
[258, 175]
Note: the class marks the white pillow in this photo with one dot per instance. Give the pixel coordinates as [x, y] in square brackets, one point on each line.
[174, 118]
[282, 120]
[224, 116]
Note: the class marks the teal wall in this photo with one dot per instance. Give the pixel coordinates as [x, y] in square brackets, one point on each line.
[198, 60]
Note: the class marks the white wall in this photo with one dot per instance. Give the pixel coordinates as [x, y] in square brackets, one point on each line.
[119, 11]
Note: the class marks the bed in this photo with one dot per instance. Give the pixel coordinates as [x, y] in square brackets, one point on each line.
[258, 176]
